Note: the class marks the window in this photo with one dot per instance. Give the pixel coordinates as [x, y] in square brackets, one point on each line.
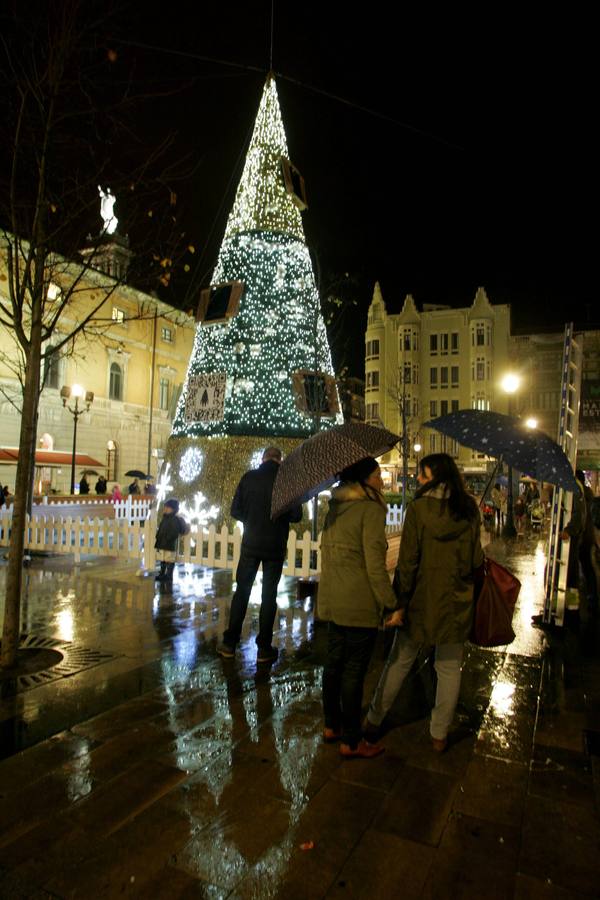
[433, 408]
[118, 315]
[373, 379]
[373, 348]
[167, 335]
[372, 410]
[406, 339]
[415, 335]
[163, 393]
[444, 377]
[433, 380]
[415, 373]
[416, 406]
[454, 376]
[489, 369]
[432, 443]
[455, 406]
[480, 369]
[444, 344]
[407, 406]
[454, 342]
[433, 344]
[444, 408]
[407, 373]
[480, 334]
[115, 388]
[51, 368]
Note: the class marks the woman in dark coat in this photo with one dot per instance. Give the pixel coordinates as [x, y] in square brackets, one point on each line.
[439, 552]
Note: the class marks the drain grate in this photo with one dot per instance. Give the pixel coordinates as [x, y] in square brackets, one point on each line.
[72, 659]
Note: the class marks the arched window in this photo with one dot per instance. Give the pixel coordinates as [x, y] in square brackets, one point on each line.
[115, 389]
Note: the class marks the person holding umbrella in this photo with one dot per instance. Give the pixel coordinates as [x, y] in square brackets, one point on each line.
[84, 487]
[354, 592]
[439, 553]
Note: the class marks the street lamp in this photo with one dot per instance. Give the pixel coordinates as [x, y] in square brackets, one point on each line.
[417, 448]
[510, 385]
[77, 393]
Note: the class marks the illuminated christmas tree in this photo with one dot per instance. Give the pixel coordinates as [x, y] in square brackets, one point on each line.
[261, 370]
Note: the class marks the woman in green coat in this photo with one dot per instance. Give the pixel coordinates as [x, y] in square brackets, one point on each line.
[439, 552]
[354, 592]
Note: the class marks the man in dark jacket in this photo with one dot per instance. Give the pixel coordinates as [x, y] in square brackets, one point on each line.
[264, 541]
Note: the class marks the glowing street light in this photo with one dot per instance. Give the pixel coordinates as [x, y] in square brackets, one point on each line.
[77, 393]
[531, 422]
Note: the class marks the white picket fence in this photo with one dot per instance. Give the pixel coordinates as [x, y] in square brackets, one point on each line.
[130, 537]
[136, 510]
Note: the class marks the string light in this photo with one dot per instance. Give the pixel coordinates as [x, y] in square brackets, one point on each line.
[191, 464]
[278, 329]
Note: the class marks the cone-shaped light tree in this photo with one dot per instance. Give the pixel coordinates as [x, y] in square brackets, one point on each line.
[261, 370]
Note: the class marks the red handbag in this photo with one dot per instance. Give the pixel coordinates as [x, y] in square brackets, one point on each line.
[496, 592]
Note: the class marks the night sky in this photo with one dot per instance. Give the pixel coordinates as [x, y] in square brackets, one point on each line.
[459, 154]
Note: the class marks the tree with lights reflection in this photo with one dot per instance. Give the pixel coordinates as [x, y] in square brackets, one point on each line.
[250, 375]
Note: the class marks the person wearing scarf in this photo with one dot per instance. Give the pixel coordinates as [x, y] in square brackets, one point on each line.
[440, 550]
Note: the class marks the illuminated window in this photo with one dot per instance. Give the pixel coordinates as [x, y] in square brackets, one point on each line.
[118, 315]
[167, 335]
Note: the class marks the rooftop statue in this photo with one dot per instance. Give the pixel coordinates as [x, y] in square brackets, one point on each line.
[107, 204]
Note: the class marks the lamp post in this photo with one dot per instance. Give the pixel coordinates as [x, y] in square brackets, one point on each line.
[510, 385]
[77, 393]
[417, 448]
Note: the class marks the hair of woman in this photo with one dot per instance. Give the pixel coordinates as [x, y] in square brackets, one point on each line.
[359, 472]
[444, 471]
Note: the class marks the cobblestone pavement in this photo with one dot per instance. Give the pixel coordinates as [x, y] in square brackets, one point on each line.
[151, 768]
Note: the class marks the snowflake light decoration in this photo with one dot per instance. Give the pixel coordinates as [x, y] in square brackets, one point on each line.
[256, 459]
[191, 464]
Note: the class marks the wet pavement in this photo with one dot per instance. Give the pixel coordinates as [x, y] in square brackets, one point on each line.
[151, 768]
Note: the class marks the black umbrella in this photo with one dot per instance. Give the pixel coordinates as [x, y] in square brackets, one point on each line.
[135, 473]
[313, 465]
[89, 472]
[526, 449]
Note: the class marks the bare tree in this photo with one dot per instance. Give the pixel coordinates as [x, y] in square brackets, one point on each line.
[68, 116]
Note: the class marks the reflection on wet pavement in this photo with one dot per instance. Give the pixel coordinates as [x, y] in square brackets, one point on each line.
[167, 771]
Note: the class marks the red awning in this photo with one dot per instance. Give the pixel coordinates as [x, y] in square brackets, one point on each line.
[52, 458]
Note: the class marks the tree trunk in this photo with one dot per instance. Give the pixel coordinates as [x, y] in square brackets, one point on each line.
[27, 442]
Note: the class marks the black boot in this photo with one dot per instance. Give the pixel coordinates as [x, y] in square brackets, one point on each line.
[169, 573]
[163, 572]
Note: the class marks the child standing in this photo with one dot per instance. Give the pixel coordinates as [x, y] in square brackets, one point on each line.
[171, 527]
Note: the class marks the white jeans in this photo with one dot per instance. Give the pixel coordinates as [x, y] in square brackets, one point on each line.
[448, 664]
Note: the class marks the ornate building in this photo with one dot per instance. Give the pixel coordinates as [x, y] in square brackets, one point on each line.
[425, 363]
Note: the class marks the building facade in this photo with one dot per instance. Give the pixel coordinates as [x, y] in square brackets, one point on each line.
[421, 364]
[537, 358]
[134, 363]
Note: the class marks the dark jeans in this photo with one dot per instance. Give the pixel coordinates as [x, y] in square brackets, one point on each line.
[245, 575]
[348, 653]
